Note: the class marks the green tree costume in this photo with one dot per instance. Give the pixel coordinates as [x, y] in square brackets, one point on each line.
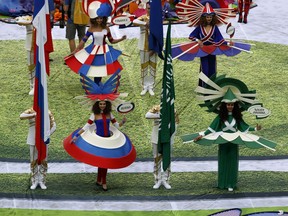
[228, 153]
[228, 134]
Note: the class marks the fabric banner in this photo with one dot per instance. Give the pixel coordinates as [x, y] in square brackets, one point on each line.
[41, 23]
[156, 27]
[167, 115]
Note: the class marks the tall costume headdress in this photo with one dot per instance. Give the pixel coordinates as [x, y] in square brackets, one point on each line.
[111, 152]
[214, 43]
[107, 91]
[192, 10]
[229, 97]
[99, 8]
[227, 90]
[222, 89]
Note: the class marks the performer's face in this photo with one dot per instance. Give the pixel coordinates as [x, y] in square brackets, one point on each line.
[209, 19]
[99, 20]
[230, 107]
[102, 105]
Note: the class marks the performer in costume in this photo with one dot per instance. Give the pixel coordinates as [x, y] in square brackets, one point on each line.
[207, 40]
[98, 143]
[27, 22]
[30, 56]
[246, 10]
[101, 117]
[207, 33]
[98, 59]
[159, 178]
[228, 97]
[148, 58]
[38, 168]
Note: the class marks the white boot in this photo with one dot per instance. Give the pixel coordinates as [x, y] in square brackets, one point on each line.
[43, 167]
[151, 92]
[34, 175]
[144, 91]
[166, 184]
[157, 170]
[34, 185]
[31, 92]
[42, 185]
[166, 177]
[157, 185]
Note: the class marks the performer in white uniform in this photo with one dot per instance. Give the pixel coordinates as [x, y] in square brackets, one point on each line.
[30, 56]
[148, 58]
[159, 177]
[38, 169]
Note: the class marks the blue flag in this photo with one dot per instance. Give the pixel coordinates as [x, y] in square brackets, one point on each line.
[156, 27]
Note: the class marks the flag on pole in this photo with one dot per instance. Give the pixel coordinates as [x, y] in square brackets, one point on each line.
[156, 27]
[48, 47]
[167, 113]
[41, 23]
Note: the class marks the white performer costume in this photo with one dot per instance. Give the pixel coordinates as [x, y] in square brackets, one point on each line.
[159, 177]
[30, 56]
[148, 58]
[38, 172]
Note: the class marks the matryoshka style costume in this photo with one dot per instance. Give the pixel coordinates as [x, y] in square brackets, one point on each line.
[97, 59]
[101, 144]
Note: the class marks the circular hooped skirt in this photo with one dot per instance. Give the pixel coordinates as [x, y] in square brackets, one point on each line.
[112, 152]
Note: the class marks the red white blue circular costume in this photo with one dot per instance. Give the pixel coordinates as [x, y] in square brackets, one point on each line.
[93, 148]
[97, 59]
[101, 144]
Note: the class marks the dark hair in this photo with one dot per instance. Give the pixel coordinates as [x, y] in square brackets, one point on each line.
[236, 112]
[203, 21]
[96, 109]
[103, 24]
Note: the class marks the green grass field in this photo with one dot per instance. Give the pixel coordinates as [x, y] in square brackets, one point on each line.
[265, 70]
[22, 212]
[133, 186]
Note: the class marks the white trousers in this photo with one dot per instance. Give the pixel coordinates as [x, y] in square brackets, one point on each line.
[38, 171]
[157, 169]
[148, 69]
